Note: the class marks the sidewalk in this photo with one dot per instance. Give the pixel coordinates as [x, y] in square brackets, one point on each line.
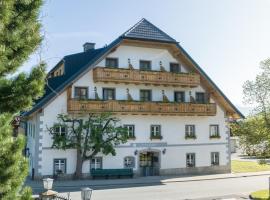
[141, 180]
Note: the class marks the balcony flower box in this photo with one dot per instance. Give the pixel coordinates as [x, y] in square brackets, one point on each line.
[214, 136]
[156, 137]
[190, 137]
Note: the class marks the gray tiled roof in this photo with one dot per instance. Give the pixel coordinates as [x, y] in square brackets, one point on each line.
[77, 64]
[147, 31]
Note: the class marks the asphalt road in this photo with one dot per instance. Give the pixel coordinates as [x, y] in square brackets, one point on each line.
[232, 188]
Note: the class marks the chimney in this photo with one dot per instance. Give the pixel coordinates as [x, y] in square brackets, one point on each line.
[88, 46]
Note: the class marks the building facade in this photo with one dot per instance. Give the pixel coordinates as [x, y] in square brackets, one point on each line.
[175, 115]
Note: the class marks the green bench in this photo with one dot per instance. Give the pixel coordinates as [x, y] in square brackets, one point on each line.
[111, 173]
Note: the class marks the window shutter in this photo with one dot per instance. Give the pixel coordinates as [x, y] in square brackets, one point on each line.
[186, 131]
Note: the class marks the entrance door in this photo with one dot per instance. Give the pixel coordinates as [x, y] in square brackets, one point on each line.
[149, 163]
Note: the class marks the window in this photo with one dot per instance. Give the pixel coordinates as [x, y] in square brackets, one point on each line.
[156, 131]
[190, 131]
[145, 95]
[145, 65]
[111, 62]
[175, 68]
[129, 162]
[179, 96]
[60, 130]
[59, 166]
[108, 94]
[190, 159]
[200, 97]
[130, 131]
[81, 92]
[96, 163]
[214, 158]
[214, 131]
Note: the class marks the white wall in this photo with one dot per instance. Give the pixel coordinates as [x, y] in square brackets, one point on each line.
[135, 54]
[172, 127]
[134, 90]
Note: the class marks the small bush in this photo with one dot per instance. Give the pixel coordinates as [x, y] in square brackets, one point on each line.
[262, 162]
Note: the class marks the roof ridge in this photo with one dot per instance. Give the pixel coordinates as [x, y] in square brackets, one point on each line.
[83, 52]
[135, 25]
[145, 30]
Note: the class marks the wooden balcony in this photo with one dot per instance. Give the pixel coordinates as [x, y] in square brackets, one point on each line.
[135, 76]
[136, 107]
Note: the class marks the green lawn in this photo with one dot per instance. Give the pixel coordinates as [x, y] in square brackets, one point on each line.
[248, 166]
[260, 195]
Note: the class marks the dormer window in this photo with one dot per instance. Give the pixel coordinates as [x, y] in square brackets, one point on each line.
[175, 68]
[145, 65]
[81, 93]
[111, 62]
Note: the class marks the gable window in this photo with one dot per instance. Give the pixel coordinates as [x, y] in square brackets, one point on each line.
[60, 130]
[59, 166]
[214, 131]
[179, 96]
[214, 158]
[200, 97]
[81, 93]
[190, 131]
[190, 159]
[175, 68]
[108, 94]
[96, 163]
[145, 65]
[145, 95]
[129, 162]
[156, 132]
[130, 131]
[111, 62]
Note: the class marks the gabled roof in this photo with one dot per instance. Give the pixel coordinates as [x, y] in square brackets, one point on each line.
[147, 31]
[77, 64]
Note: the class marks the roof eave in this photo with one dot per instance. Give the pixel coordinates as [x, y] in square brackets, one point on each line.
[211, 82]
[62, 87]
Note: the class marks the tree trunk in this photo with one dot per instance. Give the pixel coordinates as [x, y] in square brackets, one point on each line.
[79, 163]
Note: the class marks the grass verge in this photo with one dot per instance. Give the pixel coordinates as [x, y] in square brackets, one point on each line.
[260, 195]
[248, 166]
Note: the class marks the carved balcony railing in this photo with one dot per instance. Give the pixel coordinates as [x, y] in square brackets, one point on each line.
[137, 107]
[135, 76]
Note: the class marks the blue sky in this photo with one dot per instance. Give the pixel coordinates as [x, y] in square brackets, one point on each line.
[228, 38]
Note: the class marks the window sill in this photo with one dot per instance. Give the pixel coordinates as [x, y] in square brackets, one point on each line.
[190, 138]
[156, 138]
[132, 138]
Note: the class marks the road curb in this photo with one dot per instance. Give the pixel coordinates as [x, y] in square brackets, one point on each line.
[152, 181]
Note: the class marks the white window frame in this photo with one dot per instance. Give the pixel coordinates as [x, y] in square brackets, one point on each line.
[58, 165]
[190, 130]
[214, 127]
[60, 129]
[155, 130]
[215, 158]
[190, 160]
[95, 164]
[128, 126]
[129, 162]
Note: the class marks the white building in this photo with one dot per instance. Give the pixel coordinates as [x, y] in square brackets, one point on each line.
[175, 114]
